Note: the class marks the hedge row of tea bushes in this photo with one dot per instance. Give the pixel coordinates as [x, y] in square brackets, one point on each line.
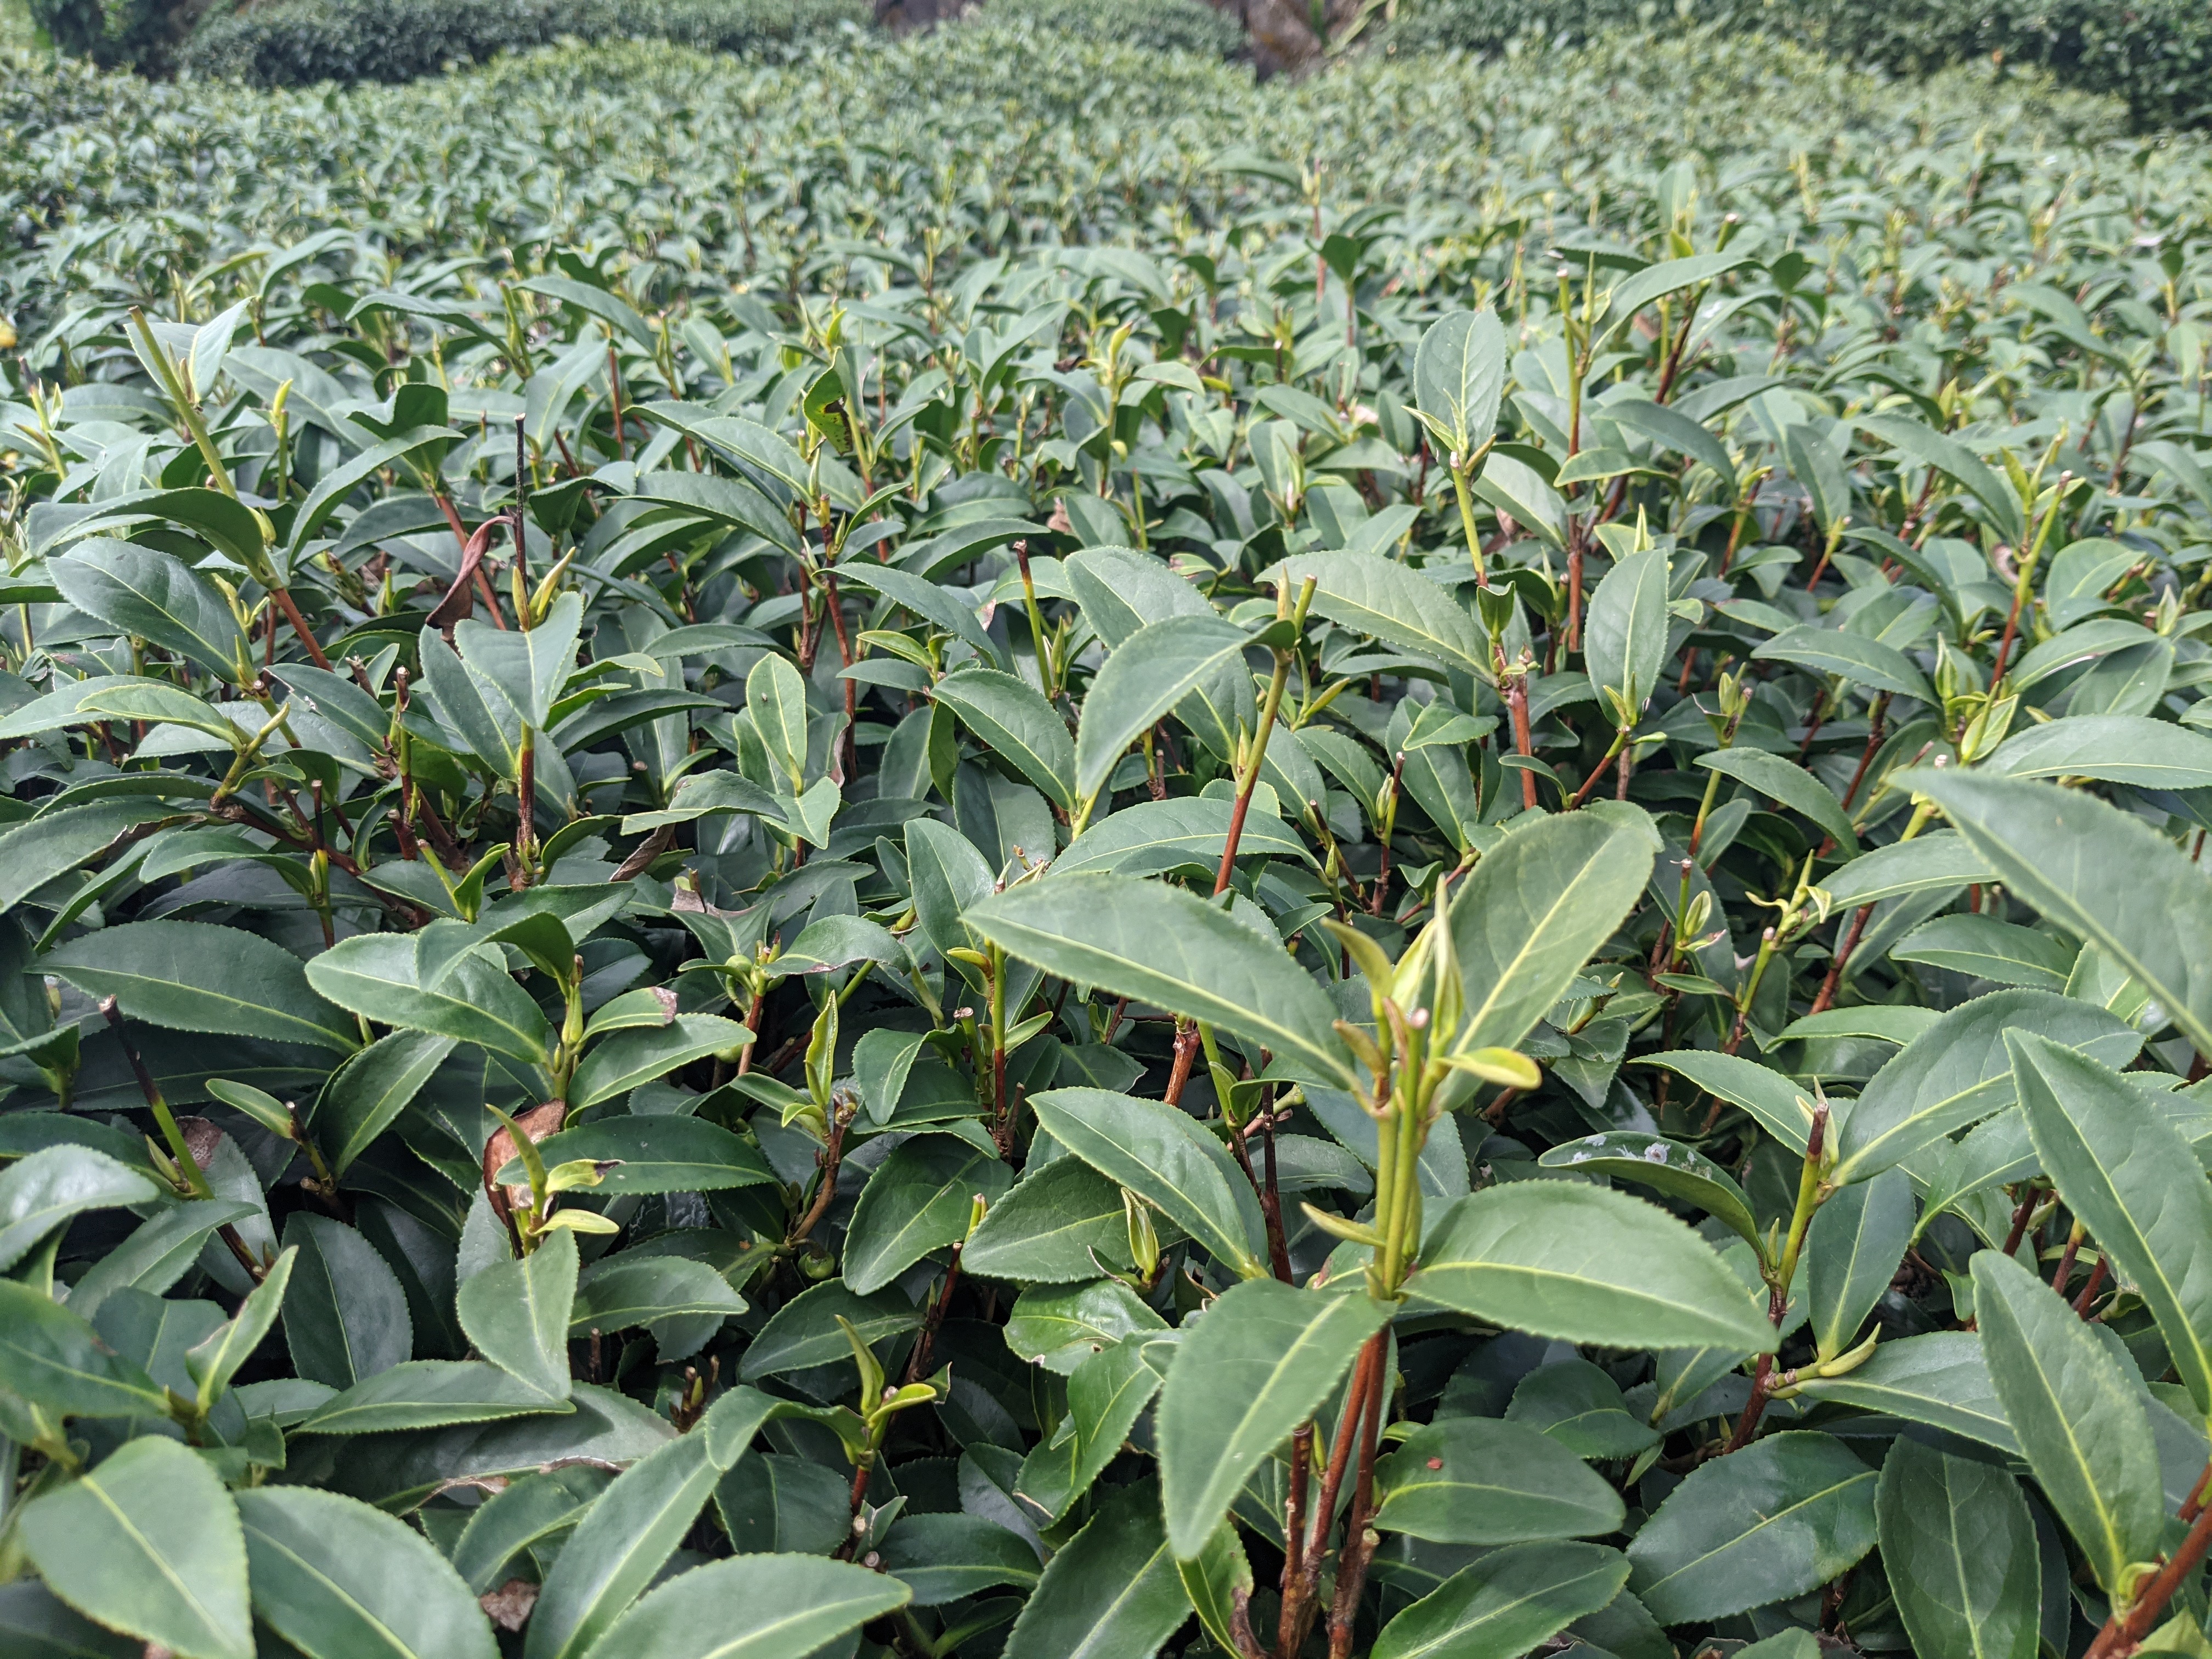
[2156, 55]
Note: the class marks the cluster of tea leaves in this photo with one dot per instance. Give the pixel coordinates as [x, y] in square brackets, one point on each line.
[1367, 868]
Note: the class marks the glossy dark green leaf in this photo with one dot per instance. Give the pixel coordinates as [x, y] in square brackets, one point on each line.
[1959, 1550]
[1793, 786]
[1510, 1600]
[1774, 1520]
[1853, 657]
[1371, 594]
[517, 1314]
[772, 1504]
[345, 1316]
[49, 1356]
[1624, 640]
[1663, 1166]
[1265, 1356]
[1459, 375]
[155, 596]
[1112, 1592]
[158, 971]
[1106, 1395]
[919, 1200]
[663, 1153]
[1011, 717]
[149, 1543]
[1939, 1379]
[1485, 1481]
[2098, 873]
[1147, 675]
[471, 1001]
[755, 1606]
[1061, 1327]
[366, 1094]
[530, 1511]
[1982, 947]
[945, 1558]
[1584, 1265]
[36, 1624]
[427, 1393]
[2078, 1420]
[2133, 1182]
[1578, 1405]
[1959, 1072]
[34, 853]
[213, 1362]
[336, 1578]
[1164, 1156]
[1853, 1251]
[804, 1332]
[1217, 1582]
[1043, 1231]
[2127, 749]
[1159, 944]
[629, 1290]
[629, 1059]
[1535, 910]
[42, 1192]
[158, 1253]
[1162, 835]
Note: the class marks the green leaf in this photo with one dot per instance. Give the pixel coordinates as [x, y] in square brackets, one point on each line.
[1784, 1516]
[36, 1624]
[1459, 375]
[1625, 639]
[2127, 749]
[1106, 1395]
[1063, 1327]
[517, 1313]
[1959, 1549]
[918, 1200]
[155, 597]
[157, 1254]
[470, 999]
[147, 1543]
[40, 1192]
[1536, 908]
[1510, 1600]
[1985, 948]
[1155, 836]
[1259, 1363]
[1584, 1264]
[1156, 944]
[949, 877]
[366, 1094]
[621, 1544]
[1379, 597]
[216, 1361]
[630, 1058]
[804, 1332]
[427, 1393]
[946, 1557]
[1164, 1155]
[1793, 786]
[776, 706]
[1217, 1581]
[622, 1291]
[157, 971]
[1664, 1166]
[1855, 657]
[1579, 1405]
[753, 1607]
[1147, 675]
[34, 853]
[1959, 1072]
[2135, 1182]
[2079, 1420]
[333, 487]
[2099, 873]
[1939, 1379]
[1851, 1253]
[666, 1152]
[530, 1511]
[1925, 864]
[336, 1579]
[49, 1356]
[1112, 1592]
[1925, 447]
[1011, 716]
[345, 1316]
[1044, 1232]
[1484, 1481]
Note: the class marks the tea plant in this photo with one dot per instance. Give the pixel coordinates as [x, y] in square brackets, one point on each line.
[756, 909]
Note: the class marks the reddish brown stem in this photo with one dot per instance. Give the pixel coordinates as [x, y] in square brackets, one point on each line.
[1358, 1542]
[2089, 1292]
[2019, 1219]
[2122, 1635]
[1186, 1050]
[1838, 963]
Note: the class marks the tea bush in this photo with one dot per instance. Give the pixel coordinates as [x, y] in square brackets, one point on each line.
[990, 848]
[301, 42]
[2155, 54]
